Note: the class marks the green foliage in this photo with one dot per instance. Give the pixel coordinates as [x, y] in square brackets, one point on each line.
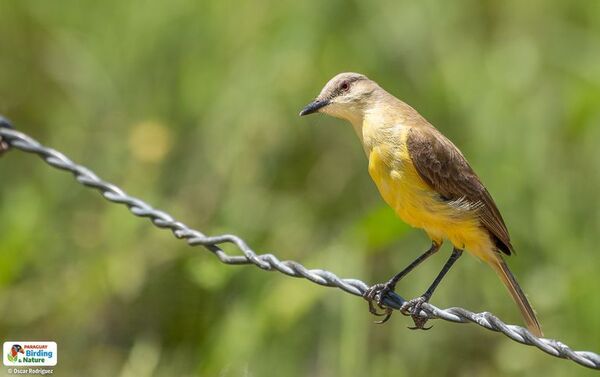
[192, 105]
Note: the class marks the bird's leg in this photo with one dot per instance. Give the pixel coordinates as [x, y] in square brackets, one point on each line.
[378, 291]
[413, 307]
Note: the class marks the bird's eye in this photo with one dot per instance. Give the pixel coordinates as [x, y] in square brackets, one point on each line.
[345, 86]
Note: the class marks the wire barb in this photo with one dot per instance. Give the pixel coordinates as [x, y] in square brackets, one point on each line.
[270, 262]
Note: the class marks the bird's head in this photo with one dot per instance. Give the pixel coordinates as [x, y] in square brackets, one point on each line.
[345, 96]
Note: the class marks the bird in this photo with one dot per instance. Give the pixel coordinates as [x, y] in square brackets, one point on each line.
[429, 184]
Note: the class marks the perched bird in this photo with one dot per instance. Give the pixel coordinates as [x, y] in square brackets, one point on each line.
[426, 180]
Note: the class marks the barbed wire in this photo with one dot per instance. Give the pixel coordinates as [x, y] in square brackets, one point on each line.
[270, 262]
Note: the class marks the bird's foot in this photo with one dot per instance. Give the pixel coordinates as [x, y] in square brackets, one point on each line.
[374, 296]
[413, 308]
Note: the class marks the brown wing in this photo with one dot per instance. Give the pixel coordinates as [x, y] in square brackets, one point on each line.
[445, 169]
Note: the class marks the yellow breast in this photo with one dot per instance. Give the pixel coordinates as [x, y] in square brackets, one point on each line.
[415, 202]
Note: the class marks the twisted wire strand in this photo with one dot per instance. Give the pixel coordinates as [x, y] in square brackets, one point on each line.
[270, 262]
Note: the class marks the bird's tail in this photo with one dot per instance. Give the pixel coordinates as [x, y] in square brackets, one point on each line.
[501, 268]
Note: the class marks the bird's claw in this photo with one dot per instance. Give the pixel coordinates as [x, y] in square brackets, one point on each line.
[374, 296]
[412, 308]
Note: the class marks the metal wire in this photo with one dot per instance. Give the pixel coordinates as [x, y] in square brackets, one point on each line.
[270, 262]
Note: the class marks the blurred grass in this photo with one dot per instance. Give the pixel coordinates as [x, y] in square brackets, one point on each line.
[193, 107]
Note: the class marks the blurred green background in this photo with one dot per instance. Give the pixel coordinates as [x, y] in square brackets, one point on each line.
[192, 106]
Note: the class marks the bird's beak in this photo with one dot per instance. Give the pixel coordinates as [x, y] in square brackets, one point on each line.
[314, 106]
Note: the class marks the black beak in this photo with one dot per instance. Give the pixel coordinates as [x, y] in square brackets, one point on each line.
[313, 107]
